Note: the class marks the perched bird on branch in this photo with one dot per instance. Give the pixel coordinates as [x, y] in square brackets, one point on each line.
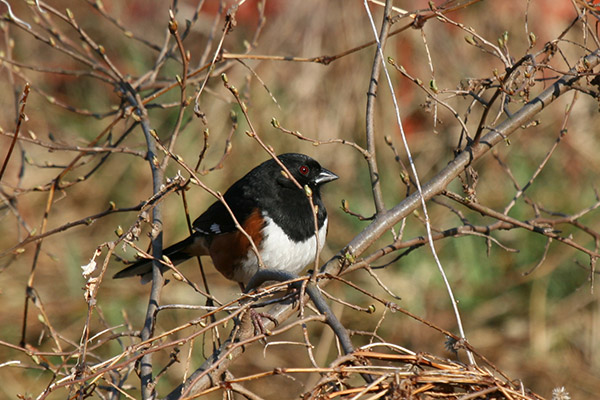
[271, 209]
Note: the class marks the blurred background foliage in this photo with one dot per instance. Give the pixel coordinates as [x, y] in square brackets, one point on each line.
[542, 327]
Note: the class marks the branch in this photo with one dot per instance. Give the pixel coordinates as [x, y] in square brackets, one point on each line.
[157, 277]
[370, 116]
[438, 183]
[384, 221]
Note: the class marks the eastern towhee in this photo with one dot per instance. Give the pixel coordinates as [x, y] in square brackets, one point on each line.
[277, 215]
[272, 210]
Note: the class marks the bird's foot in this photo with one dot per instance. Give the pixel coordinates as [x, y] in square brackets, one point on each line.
[257, 322]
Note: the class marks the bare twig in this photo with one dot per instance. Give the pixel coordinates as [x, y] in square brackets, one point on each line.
[370, 110]
[21, 117]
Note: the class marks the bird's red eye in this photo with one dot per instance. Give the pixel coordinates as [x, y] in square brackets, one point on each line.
[303, 170]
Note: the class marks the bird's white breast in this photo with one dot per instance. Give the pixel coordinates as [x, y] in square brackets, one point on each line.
[279, 252]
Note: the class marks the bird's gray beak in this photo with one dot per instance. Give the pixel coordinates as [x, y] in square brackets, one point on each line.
[325, 176]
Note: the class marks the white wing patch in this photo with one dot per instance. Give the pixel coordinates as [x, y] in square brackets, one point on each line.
[215, 228]
[279, 252]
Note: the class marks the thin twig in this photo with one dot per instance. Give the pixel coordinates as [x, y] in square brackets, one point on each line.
[21, 117]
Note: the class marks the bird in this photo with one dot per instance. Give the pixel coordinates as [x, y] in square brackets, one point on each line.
[271, 209]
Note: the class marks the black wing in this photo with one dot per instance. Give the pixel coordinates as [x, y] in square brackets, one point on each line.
[217, 218]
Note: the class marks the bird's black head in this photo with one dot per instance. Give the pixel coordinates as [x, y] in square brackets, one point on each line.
[305, 170]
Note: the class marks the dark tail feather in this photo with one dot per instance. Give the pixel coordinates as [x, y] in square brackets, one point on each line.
[177, 253]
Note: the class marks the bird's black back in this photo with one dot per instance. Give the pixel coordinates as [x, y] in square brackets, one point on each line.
[267, 189]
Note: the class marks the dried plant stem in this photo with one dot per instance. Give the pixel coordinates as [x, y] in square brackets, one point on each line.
[370, 110]
[422, 197]
[20, 118]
